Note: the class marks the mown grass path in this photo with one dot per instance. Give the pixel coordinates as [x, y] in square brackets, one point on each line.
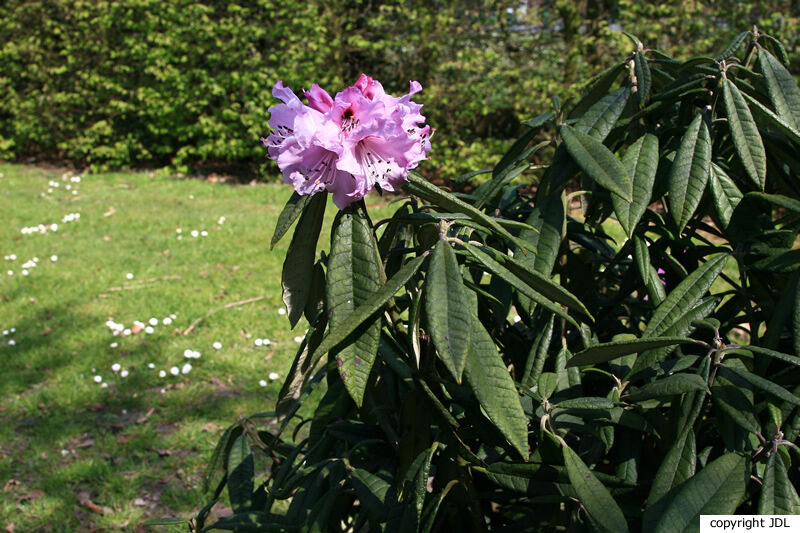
[78, 451]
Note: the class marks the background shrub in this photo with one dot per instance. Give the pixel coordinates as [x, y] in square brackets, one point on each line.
[114, 84]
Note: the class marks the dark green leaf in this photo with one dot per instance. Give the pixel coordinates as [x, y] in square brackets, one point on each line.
[765, 385]
[788, 129]
[717, 489]
[734, 397]
[489, 379]
[685, 296]
[241, 470]
[253, 522]
[546, 384]
[600, 353]
[598, 89]
[497, 269]
[778, 496]
[366, 309]
[744, 133]
[421, 187]
[733, 46]
[594, 496]
[216, 463]
[786, 358]
[599, 119]
[586, 402]
[538, 282]
[301, 370]
[354, 276]
[677, 466]
[643, 81]
[783, 91]
[293, 208]
[298, 267]
[689, 172]
[538, 353]
[778, 199]
[641, 163]
[725, 193]
[669, 386]
[598, 162]
[446, 309]
[681, 327]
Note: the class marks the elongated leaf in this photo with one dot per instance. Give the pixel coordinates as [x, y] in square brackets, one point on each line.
[599, 119]
[367, 308]
[595, 497]
[733, 46]
[165, 522]
[548, 220]
[766, 385]
[716, 489]
[783, 91]
[778, 496]
[677, 466]
[421, 187]
[249, 522]
[685, 296]
[600, 353]
[641, 163]
[598, 162]
[669, 386]
[586, 402]
[786, 358]
[241, 470]
[501, 472]
[681, 327]
[733, 396]
[538, 282]
[744, 133]
[446, 309]
[788, 129]
[511, 165]
[495, 390]
[301, 370]
[374, 493]
[293, 208]
[353, 276]
[598, 88]
[725, 193]
[778, 260]
[534, 364]
[643, 79]
[689, 173]
[777, 199]
[497, 269]
[298, 267]
[218, 457]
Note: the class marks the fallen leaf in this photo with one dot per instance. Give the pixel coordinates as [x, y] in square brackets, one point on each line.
[139, 502]
[163, 453]
[148, 414]
[85, 500]
[46, 331]
[123, 438]
[96, 406]
[10, 485]
[106, 238]
[110, 211]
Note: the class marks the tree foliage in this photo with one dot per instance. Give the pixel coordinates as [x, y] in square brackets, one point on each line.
[140, 82]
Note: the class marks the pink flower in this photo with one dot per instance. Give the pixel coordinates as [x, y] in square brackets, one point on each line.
[348, 144]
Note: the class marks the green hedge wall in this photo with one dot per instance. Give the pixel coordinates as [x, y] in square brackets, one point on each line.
[115, 84]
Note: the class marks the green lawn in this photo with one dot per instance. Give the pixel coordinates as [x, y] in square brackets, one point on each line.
[76, 454]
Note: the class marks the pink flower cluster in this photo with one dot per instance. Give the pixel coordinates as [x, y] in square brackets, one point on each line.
[348, 144]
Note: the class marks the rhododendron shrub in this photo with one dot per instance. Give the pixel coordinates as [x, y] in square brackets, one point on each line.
[348, 144]
[607, 342]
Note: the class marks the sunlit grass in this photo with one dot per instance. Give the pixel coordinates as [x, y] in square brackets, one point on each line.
[135, 446]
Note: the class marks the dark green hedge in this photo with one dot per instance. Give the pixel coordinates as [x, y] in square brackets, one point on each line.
[114, 84]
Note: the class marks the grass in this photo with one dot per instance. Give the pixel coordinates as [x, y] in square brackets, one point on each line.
[76, 454]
